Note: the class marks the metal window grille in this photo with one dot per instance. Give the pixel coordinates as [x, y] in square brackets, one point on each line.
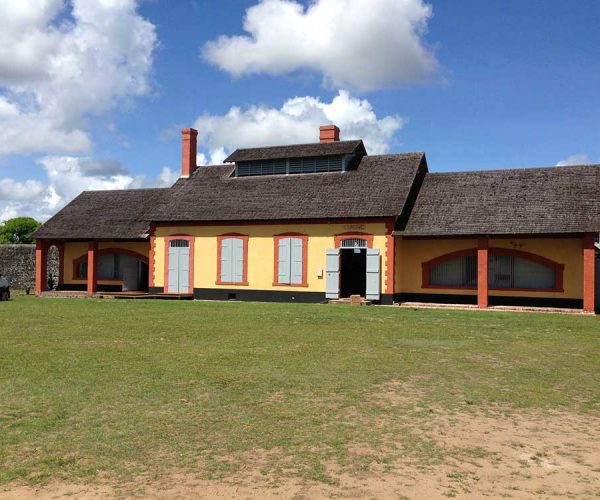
[179, 244]
[506, 271]
[354, 243]
[456, 272]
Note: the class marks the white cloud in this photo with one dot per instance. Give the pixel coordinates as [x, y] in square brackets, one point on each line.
[576, 159]
[56, 71]
[11, 190]
[362, 44]
[167, 177]
[65, 178]
[297, 121]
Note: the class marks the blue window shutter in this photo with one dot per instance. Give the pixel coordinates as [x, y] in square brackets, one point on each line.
[283, 266]
[373, 274]
[238, 260]
[332, 283]
[296, 261]
[173, 284]
[184, 269]
[226, 259]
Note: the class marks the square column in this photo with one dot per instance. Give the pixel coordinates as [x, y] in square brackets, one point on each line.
[482, 273]
[589, 278]
[390, 255]
[41, 265]
[92, 268]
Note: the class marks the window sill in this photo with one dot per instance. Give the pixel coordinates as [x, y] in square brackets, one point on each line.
[449, 287]
[120, 280]
[551, 290]
[496, 289]
[294, 285]
[236, 283]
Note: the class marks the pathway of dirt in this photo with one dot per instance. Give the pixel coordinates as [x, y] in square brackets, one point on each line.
[516, 454]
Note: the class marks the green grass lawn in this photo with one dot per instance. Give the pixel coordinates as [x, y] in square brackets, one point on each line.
[114, 388]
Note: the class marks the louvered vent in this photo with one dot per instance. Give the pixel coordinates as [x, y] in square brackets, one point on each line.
[291, 166]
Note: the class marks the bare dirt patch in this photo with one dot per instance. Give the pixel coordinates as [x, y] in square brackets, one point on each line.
[493, 453]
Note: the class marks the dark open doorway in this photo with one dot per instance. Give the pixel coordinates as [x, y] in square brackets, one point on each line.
[143, 277]
[353, 272]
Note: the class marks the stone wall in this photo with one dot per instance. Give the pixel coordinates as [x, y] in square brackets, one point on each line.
[17, 264]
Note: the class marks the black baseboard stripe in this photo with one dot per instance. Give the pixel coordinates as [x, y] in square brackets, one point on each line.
[258, 295]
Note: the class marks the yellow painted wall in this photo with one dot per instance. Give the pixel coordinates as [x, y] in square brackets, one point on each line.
[567, 251]
[74, 250]
[410, 254]
[261, 252]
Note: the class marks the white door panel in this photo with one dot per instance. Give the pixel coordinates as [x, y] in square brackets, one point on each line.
[332, 280]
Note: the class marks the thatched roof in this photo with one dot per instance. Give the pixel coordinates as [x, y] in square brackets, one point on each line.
[518, 201]
[298, 151]
[377, 187]
[118, 214]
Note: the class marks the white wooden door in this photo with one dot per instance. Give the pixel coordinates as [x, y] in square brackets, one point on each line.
[332, 280]
[373, 274]
[179, 266]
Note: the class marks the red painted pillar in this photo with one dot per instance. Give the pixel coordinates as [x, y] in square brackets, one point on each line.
[92, 267]
[589, 279]
[390, 251]
[482, 273]
[151, 258]
[41, 265]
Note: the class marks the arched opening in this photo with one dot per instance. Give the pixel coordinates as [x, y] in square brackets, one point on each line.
[126, 267]
[53, 267]
[354, 243]
[508, 269]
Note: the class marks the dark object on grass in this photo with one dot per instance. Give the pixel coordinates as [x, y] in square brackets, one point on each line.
[4, 288]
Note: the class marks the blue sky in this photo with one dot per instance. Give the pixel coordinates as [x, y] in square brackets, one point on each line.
[476, 85]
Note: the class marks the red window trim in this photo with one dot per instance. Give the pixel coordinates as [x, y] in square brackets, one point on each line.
[426, 269]
[186, 237]
[344, 236]
[304, 238]
[104, 251]
[244, 238]
[557, 267]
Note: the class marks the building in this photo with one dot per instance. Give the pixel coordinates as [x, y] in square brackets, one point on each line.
[326, 220]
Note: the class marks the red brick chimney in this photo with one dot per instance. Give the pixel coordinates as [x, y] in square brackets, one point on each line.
[329, 133]
[188, 151]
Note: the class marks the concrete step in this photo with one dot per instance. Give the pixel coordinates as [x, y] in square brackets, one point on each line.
[355, 300]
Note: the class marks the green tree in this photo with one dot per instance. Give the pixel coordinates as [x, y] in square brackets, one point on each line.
[18, 230]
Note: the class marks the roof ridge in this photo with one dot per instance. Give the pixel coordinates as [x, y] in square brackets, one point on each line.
[409, 153]
[299, 144]
[125, 190]
[515, 169]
